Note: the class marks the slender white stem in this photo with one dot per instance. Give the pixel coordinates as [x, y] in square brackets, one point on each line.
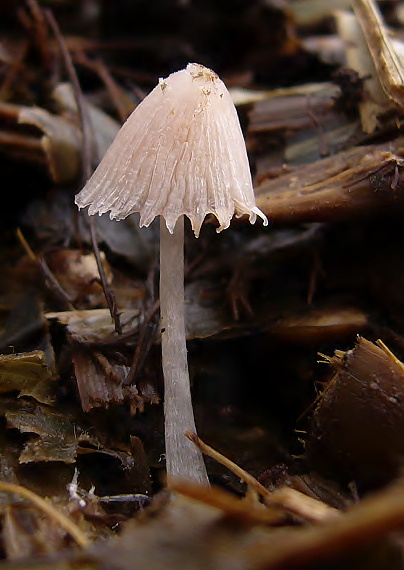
[183, 459]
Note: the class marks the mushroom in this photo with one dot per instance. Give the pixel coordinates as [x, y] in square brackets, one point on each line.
[181, 152]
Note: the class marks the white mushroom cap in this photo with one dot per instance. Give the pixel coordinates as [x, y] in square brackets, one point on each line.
[181, 151]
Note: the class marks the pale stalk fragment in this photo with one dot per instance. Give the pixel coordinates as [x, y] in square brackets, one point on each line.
[183, 459]
[359, 58]
[386, 61]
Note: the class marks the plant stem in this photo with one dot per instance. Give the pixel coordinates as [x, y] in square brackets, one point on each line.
[184, 460]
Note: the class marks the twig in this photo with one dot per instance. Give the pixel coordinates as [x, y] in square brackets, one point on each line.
[324, 147]
[40, 36]
[390, 354]
[49, 510]
[145, 340]
[123, 105]
[108, 292]
[291, 500]
[228, 503]
[140, 344]
[51, 280]
[81, 108]
[87, 135]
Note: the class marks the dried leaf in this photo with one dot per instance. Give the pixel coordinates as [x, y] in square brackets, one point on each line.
[62, 139]
[59, 436]
[61, 143]
[28, 374]
[104, 128]
[49, 449]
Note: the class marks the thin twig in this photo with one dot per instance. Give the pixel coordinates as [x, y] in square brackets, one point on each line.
[123, 105]
[87, 136]
[390, 354]
[228, 463]
[141, 344]
[40, 36]
[47, 508]
[291, 500]
[324, 147]
[231, 505]
[50, 279]
[81, 108]
[108, 292]
[144, 341]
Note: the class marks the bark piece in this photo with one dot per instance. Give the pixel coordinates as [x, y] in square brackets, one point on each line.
[359, 419]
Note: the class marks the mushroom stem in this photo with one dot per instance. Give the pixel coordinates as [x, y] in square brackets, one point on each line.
[183, 459]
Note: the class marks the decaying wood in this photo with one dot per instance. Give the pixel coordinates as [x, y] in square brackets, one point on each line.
[353, 183]
[358, 411]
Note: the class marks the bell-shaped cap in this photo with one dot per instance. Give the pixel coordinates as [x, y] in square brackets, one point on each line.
[181, 151]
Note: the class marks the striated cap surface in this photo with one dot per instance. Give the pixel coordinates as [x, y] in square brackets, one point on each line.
[180, 152]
